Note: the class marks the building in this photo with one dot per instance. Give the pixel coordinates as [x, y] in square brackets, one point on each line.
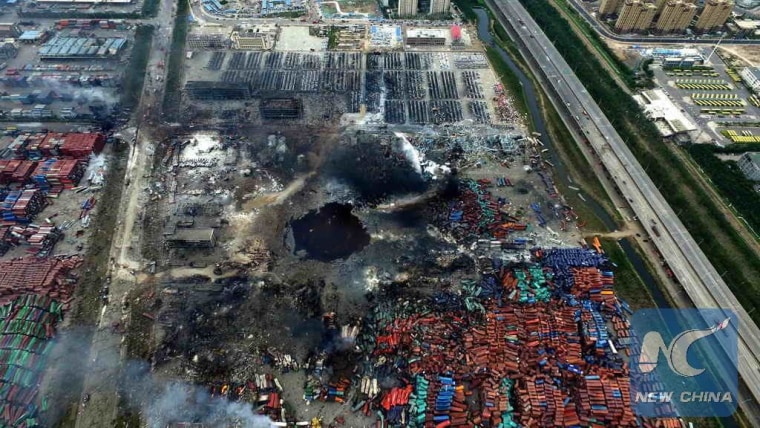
[208, 38]
[666, 115]
[610, 7]
[636, 15]
[748, 4]
[33, 37]
[407, 8]
[676, 16]
[192, 238]
[714, 15]
[258, 37]
[212, 90]
[751, 78]
[440, 7]
[9, 29]
[426, 37]
[81, 48]
[749, 164]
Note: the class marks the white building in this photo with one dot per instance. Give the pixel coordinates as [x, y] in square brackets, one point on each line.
[751, 77]
[666, 115]
[749, 163]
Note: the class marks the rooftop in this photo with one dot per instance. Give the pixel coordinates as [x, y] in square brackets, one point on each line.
[658, 106]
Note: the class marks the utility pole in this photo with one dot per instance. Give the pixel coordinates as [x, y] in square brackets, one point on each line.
[714, 49]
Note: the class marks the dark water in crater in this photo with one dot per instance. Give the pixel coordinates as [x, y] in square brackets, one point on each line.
[329, 233]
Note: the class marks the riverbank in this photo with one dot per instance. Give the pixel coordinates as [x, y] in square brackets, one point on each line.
[571, 168]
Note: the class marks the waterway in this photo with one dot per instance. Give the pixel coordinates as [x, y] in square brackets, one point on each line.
[560, 172]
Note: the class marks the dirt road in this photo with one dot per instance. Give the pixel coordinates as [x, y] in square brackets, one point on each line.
[106, 352]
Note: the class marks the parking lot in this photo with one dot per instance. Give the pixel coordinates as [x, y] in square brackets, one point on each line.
[709, 95]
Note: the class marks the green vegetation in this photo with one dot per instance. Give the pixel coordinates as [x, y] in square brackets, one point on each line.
[725, 248]
[172, 97]
[628, 283]
[600, 47]
[289, 14]
[332, 37]
[738, 148]
[578, 168]
[732, 184]
[509, 80]
[467, 6]
[133, 81]
[150, 8]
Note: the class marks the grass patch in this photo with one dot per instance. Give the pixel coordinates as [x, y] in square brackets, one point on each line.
[134, 79]
[730, 182]
[628, 283]
[510, 81]
[467, 6]
[288, 14]
[150, 8]
[589, 34]
[173, 95]
[332, 37]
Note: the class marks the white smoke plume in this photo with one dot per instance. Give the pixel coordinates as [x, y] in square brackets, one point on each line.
[160, 402]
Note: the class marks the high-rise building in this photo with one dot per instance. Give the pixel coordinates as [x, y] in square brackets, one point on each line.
[676, 16]
[714, 15]
[407, 8]
[439, 6]
[636, 15]
[610, 7]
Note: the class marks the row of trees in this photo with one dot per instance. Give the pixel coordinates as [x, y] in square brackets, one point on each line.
[727, 177]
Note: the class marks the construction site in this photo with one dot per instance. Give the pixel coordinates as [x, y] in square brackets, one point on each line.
[326, 237]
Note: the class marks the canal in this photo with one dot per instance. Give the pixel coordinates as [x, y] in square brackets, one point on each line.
[560, 172]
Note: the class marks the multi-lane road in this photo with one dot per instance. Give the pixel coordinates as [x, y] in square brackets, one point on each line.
[700, 280]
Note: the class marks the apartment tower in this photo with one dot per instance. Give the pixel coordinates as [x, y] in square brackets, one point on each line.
[635, 16]
[439, 6]
[610, 7]
[714, 15]
[407, 8]
[676, 16]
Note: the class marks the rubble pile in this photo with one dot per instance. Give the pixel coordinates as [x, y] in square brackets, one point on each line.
[264, 390]
[527, 345]
[477, 213]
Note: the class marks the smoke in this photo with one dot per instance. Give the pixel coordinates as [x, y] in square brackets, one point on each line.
[418, 161]
[160, 402]
[180, 402]
[410, 152]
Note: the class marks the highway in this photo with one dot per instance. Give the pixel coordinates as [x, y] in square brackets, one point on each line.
[700, 280]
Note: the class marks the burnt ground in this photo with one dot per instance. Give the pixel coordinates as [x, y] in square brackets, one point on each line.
[261, 293]
[211, 329]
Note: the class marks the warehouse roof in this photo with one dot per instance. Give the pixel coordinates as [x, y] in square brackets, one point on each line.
[659, 107]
